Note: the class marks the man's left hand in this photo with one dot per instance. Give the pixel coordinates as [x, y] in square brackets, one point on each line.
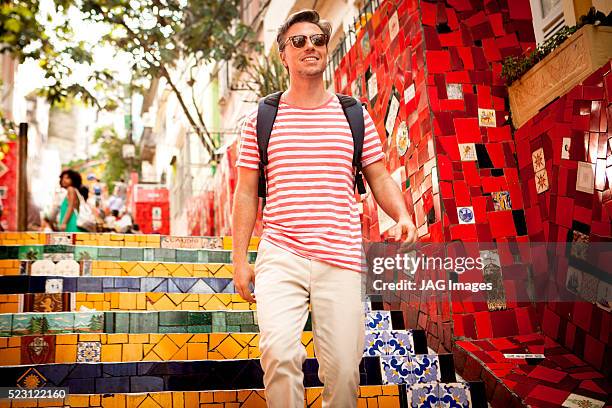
[404, 231]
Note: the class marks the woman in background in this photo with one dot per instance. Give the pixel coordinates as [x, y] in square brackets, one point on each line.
[73, 183]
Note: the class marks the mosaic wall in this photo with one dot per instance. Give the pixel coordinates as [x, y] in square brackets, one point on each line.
[9, 167]
[565, 164]
[430, 75]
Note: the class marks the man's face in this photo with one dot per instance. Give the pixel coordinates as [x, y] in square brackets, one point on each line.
[308, 61]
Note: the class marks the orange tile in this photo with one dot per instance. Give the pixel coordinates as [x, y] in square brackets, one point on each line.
[10, 356]
[165, 348]
[196, 352]
[89, 337]
[117, 338]
[65, 353]
[111, 352]
[66, 339]
[138, 338]
[132, 352]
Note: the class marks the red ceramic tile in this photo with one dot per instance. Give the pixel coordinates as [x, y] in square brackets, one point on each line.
[552, 395]
[547, 374]
[467, 130]
[502, 224]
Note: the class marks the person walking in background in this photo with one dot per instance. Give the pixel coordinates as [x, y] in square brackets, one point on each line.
[73, 183]
[311, 246]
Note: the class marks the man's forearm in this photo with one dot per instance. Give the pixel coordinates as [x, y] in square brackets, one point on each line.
[389, 198]
[244, 215]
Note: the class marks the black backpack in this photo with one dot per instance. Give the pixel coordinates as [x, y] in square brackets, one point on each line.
[266, 115]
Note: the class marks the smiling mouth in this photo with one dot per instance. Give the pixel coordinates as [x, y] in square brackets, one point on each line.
[308, 59]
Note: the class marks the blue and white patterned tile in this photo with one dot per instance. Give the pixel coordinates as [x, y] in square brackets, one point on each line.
[378, 320]
[396, 370]
[376, 343]
[426, 368]
[400, 342]
[454, 395]
[423, 395]
[88, 351]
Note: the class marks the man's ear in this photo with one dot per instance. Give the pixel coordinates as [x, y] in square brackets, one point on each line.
[282, 57]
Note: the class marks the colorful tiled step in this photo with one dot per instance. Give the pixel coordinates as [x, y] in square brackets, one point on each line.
[181, 375]
[87, 253]
[95, 284]
[121, 240]
[65, 302]
[96, 348]
[370, 396]
[71, 348]
[70, 268]
[224, 321]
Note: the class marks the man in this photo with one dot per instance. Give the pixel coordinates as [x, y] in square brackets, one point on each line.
[310, 250]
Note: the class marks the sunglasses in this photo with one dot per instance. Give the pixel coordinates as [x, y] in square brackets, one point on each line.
[299, 41]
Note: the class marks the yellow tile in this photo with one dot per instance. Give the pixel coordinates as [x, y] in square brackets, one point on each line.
[164, 399]
[89, 337]
[165, 348]
[180, 339]
[78, 400]
[111, 352]
[190, 306]
[181, 354]
[132, 352]
[135, 400]
[66, 339]
[10, 356]
[151, 356]
[178, 400]
[196, 352]
[163, 303]
[139, 338]
[94, 400]
[128, 300]
[117, 338]
[65, 353]
[14, 342]
[192, 399]
[199, 338]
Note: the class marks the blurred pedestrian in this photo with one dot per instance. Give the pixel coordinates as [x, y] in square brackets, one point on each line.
[72, 182]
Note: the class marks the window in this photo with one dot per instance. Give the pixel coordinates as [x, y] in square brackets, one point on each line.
[548, 18]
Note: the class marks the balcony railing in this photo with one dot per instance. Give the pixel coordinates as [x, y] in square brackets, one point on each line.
[349, 39]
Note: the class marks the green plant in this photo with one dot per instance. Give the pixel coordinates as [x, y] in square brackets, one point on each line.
[515, 67]
[266, 75]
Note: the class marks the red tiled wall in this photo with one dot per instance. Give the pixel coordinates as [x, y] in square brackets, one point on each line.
[582, 116]
[441, 43]
[9, 180]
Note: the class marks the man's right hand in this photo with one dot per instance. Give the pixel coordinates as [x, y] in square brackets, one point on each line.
[243, 275]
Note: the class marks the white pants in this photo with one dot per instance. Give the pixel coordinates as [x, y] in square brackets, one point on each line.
[284, 285]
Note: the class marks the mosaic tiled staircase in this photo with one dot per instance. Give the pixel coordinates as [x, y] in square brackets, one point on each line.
[148, 321]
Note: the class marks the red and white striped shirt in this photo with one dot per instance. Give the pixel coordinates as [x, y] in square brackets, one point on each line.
[311, 209]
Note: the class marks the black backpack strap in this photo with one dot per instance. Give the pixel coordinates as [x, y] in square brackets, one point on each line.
[266, 115]
[353, 111]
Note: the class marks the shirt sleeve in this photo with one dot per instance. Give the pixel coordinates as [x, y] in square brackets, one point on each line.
[372, 147]
[248, 153]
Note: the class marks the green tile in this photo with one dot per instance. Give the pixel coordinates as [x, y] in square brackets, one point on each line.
[233, 329]
[219, 323]
[109, 253]
[89, 322]
[58, 249]
[200, 318]
[31, 252]
[85, 253]
[308, 325]
[109, 322]
[174, 318]
[60, 322]
[173, 329]
[9, 252]
[202, 256]
[184, 255]
[199, 329]
[149, 254]
[132, 254]
[219, 257]
[165, 255]
[239, 318]
[249, 328]
[6, 324]
[122, 322]
[251, 257]
[145, 322]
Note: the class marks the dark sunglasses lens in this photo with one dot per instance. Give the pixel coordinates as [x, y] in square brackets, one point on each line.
[298, 41]
[318, 40]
